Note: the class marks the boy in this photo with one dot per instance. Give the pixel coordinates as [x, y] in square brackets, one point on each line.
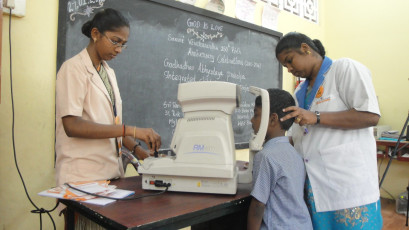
[278, 173]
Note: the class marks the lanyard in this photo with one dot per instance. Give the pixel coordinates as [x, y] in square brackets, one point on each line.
[105, 79]
[304, 100]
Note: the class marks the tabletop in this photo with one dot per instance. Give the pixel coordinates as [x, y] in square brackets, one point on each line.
[172, 209]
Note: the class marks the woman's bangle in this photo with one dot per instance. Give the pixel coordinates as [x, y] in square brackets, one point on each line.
[123, 130]
[134, 130]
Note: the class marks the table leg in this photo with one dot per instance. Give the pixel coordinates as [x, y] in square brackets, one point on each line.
[69, 219]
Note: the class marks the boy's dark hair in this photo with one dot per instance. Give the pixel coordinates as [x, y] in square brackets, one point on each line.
[105, 20]
[279, 99]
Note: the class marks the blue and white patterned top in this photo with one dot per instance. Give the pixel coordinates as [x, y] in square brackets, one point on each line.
[278, 182]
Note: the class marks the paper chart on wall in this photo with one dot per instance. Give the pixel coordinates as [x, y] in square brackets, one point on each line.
[270, 17]
[190, 2]
[215, 6]
[245, 10]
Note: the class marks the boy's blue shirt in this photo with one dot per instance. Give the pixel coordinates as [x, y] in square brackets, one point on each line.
[278, 182]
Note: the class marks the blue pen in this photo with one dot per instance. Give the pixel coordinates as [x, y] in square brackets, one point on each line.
[305, 131]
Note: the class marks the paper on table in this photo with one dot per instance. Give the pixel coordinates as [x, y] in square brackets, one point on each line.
[98, 187]
[118, 193]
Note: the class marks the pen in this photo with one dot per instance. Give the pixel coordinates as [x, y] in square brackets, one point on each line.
[305, 131]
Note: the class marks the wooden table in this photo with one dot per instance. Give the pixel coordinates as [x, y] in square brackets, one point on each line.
[390, 145]
[171, 210]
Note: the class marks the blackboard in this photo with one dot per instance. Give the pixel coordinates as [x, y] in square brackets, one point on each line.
[171, 43]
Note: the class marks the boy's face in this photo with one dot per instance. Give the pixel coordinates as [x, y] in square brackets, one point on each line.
[256, 119]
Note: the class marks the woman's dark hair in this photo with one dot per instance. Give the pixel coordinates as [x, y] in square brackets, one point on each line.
[293, 40]
[279, 99]
[105, 20]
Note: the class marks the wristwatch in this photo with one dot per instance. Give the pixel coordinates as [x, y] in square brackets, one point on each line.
[318, 117]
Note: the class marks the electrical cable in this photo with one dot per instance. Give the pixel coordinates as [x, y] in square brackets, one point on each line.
[37, 210]
[393, 198]
[126, 198]
[403, 146]
[394, 151]
[379, 169]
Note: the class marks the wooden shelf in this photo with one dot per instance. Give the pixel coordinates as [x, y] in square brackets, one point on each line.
[389, 146]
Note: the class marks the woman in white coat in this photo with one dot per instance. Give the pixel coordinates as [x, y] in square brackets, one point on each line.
[89, 128]
[336, 109]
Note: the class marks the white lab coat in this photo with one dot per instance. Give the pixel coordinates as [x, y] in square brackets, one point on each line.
[341, 164]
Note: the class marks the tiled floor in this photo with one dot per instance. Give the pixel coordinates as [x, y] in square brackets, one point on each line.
[391, 219]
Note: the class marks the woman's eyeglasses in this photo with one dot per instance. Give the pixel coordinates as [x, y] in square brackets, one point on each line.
[117, 44]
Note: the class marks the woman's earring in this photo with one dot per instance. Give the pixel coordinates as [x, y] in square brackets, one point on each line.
[308, 52]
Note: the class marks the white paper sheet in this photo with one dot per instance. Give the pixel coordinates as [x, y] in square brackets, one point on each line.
[270, 17]
[245, 10]
[190, 2]
[92, 187]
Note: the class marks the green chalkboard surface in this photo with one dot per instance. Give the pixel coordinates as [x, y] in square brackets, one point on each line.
[171, 43]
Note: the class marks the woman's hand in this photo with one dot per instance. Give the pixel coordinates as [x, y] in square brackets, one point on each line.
[302, 116]
[150, 137]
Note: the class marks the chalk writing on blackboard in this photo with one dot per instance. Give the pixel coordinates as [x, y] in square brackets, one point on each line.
[83, 7]
[193, 25]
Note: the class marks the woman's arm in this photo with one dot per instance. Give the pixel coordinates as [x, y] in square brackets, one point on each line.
[133, 145]
[255, 214]
[348, 119]
[77, 127]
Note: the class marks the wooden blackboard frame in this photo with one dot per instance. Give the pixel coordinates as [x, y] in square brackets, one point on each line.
[62, 31]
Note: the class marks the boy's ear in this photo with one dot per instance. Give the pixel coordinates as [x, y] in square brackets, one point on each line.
[273, 118]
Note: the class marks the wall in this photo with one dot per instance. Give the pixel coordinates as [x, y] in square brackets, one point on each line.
[34, 41]
[34, 47]
[374, 33]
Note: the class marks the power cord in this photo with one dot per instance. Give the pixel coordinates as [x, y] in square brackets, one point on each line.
[166, 185]
[393, 198]
[36, 210]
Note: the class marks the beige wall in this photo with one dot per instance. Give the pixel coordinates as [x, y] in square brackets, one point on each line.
[374, 33]
[369, 31]
[34, 46]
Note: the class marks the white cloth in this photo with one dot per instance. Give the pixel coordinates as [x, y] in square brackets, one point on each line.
[81, 92]
[341, 164]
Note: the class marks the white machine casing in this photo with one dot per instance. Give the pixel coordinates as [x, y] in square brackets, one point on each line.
[203, 142]
[257, 140]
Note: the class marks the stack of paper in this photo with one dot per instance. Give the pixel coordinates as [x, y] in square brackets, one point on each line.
[95, 187]
[390, 135]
